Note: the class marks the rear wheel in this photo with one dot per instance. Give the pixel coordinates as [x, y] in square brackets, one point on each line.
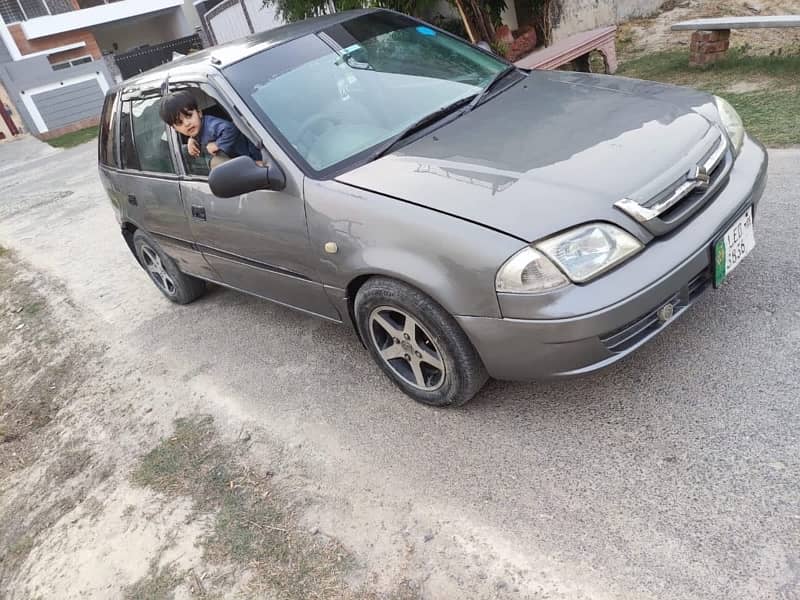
[418, 344]
[164, 273]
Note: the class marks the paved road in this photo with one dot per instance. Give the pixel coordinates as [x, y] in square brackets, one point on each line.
[675, 474]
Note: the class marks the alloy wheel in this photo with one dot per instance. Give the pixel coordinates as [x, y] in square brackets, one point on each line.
[158, 273]
[407, 348]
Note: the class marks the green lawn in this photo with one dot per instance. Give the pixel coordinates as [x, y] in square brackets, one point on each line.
[75, 138]
[765, 90]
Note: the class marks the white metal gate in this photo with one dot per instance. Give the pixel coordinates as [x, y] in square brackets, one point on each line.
[228, 21]
[262, 18]
[233, 19]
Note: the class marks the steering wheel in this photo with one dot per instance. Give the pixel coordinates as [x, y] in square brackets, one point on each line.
[313, 125]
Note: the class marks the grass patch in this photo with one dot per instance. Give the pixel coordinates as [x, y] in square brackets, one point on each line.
[20, 549]
[254, 526]
[673, 67]
[769, 109]
[157, 584]
[76, 138]
[34, 308]
[773, 117]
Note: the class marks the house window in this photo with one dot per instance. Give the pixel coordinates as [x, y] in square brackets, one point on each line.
[60, 66]
[59, 6]
[11, 11]
[34, 8]
[22, 10]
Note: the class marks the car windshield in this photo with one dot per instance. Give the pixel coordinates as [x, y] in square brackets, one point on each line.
[340, 93]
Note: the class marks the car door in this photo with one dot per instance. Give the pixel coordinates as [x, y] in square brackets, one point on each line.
[149, 178]
[258, 242]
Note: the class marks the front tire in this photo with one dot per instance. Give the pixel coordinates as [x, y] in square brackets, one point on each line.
[164, 273]
[418, 344]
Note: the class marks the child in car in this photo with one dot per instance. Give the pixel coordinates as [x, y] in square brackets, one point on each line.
[219, 138]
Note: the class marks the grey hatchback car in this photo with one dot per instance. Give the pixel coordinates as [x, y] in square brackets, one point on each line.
[470, 219]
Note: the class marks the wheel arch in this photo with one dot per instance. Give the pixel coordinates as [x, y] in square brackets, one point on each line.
[128, 229]
[427, 287]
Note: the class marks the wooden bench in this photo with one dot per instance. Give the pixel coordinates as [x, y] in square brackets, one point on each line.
[576, 48]
[711, 37]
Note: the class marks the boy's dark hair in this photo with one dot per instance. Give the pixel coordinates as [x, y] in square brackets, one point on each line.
[176, 104]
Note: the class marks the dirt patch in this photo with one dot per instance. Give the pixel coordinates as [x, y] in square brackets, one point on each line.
[37, 366]
[82, 516]
[644, 36]
[744, 87]
[257, 536]
[40, 370]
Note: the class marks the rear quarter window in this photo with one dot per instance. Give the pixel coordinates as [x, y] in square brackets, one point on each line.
[108, 154]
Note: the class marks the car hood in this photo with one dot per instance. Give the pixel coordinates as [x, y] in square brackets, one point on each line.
[552, 151]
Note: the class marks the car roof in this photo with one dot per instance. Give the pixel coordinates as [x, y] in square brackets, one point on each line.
[219, 57]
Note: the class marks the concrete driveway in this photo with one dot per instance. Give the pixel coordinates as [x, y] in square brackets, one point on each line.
[675, 474]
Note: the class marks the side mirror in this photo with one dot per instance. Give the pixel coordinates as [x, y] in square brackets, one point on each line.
[483, 45]
[242, 175]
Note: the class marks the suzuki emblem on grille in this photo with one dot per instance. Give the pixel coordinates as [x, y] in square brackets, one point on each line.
[699, 175]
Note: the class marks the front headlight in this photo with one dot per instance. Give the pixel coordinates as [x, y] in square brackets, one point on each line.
[587, 251]
[732, 123]
[529, 272]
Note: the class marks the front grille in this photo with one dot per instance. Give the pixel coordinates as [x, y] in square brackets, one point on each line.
[695, 197]
[678, 201]
[648, 324]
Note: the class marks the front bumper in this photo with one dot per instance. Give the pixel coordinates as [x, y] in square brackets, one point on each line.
[517, 348]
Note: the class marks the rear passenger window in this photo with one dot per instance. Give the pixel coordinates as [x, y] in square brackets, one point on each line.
[126, 146]
[150, 136]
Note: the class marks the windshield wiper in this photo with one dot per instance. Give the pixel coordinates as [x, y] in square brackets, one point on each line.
[425, 121]
[476, 100]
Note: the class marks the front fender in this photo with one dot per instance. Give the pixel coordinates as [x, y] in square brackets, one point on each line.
[453, 261]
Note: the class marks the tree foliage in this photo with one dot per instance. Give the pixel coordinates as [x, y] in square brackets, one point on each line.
[296, 10]
[482, 16]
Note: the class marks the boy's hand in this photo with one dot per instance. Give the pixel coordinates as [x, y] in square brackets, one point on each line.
[193, 147]
[212, 148]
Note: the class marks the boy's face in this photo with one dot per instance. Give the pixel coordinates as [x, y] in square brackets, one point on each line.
[188, 124]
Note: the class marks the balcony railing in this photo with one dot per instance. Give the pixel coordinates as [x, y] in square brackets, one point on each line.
[14, 11]
[92, 13]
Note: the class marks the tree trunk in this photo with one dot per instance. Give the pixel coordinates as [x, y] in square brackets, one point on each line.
[467, 25]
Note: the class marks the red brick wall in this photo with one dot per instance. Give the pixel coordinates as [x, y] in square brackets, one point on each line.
[27, 46]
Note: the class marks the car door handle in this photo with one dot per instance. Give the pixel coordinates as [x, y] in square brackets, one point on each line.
[199, 212]
[132, 200]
